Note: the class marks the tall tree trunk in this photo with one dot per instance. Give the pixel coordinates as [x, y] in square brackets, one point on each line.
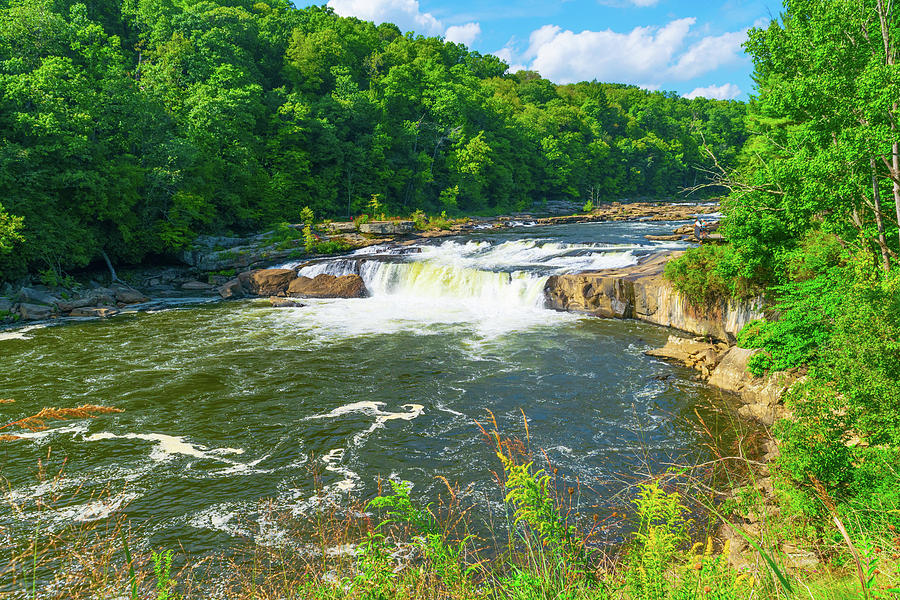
[890, 59]
[879, 222]
[896, 150]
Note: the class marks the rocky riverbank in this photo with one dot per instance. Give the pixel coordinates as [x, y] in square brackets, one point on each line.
[211, 262]
[642, 292]
[216, 254]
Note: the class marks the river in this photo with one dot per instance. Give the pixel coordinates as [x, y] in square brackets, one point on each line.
[229, 405]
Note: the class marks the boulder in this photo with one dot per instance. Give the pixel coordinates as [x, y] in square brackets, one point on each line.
[35, 296]
[232, 289]
[386, 227]
[267, 282]
[70, 305]
[684, 350]
[129, 296]
[5, 305]
[105, 300]
[329, 286]
[196, 286]
[93, 312]
[277, 302]
[732, 374]
[34, 312]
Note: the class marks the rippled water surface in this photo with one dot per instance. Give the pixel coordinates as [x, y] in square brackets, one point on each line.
[229, 404]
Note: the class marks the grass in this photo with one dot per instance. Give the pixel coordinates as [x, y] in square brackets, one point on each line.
[544, 546]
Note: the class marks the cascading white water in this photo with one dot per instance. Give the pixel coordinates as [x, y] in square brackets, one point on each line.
[432, 280]
[510, 275]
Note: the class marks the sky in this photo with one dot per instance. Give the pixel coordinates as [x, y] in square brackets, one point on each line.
[687, 46]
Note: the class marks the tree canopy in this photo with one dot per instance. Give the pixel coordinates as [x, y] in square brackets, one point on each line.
[130, 127]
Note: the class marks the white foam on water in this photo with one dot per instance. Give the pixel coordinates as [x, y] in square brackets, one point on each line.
[53, 431]
[94, 510]
[332, 462]
[540, 254]
[19, 334]
[221, 517]
[371, 409]
[168, 446]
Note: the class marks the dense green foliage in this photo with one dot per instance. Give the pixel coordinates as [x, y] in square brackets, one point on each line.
[812, 216]
[708, 273]
[129, 127]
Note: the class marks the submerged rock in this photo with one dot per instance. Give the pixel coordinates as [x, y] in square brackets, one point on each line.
[277, 302]
[101, 312]
[329, 286]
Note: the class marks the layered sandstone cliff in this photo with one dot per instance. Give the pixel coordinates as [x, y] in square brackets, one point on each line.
[642, 292]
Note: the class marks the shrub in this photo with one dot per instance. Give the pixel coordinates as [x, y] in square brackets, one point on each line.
[707, 274]
[332, 247]
[307, 216]
[309, 239]
[806, 312]
[360, 220]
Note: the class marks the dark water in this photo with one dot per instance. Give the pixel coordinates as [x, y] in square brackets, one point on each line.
[228, 404]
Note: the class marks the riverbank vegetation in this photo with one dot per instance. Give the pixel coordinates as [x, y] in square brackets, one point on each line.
[812, 223]
[129, 128]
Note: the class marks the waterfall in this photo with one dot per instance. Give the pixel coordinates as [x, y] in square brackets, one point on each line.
[504, 276]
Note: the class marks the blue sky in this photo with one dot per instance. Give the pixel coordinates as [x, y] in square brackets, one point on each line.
[691, 47]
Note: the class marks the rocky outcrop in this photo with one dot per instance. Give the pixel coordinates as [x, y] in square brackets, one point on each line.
[328, 286]
[761, 396]
[39, 303]
[725, 368]
[129, 296]
[100, 313]
[642, 292]
[630, 211]
[696, 354]
[267, 282]
[386, 227]
[232, 290]
[36, 296]
[285, 282]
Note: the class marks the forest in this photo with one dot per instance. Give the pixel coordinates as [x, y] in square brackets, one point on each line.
[130, 127]
[812, 224]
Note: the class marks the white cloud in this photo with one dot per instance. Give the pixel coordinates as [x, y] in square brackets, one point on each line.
[404, 13]
[566, 56]
[709, 54]
[463, 34]
[646, 56]
[644, 2]
[727, 91]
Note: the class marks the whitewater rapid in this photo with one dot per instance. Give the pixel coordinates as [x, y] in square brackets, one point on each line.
[488, 288]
